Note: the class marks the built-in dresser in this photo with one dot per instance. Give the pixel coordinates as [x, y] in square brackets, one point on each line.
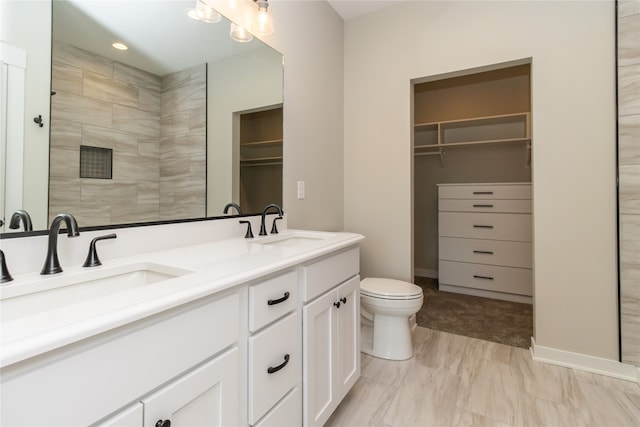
[484, 241]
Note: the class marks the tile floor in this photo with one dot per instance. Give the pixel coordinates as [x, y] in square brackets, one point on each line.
[459, 381]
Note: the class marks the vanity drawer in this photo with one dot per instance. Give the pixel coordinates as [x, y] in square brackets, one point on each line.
[485, 191]
[516, 227]
[269, 349]
[488, 277]
[288, 412]
[323, 275]
[479, 205]
[272, 299]
[480, 251]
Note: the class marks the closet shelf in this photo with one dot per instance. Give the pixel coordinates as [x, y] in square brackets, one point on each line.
[262, 161]
[260, 144]
[427, 148]
[474, 121]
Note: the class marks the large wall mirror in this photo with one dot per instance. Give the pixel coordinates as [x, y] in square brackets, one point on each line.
[182, 122]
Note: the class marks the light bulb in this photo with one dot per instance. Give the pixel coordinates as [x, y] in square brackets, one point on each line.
[239, 34]
[205, 13]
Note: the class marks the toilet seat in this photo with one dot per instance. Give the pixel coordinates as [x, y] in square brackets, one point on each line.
[389, 289]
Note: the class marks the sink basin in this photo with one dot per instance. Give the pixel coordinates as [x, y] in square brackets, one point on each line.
[296, 238]
[48, 293]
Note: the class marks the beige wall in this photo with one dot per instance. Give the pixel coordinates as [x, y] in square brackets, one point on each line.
[310, 36]
[573, 81]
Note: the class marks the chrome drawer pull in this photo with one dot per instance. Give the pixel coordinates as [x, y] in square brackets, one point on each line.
[483, 252]
[482, 226]
[483, 192]
[482, 206]
[279, 300]
[482, 277]
[274, 369]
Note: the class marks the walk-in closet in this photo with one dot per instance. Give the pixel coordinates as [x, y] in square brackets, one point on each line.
[472, 201]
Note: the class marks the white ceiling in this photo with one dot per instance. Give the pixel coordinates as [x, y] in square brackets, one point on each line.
[349, 9]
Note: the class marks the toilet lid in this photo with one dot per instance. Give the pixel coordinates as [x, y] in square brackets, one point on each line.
[389, 288]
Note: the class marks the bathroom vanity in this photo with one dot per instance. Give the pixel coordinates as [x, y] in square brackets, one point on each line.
[260, 332]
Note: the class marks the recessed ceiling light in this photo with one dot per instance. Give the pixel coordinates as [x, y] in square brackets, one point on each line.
[120, 46]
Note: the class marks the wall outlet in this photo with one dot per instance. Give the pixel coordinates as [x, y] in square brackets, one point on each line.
[300, 190]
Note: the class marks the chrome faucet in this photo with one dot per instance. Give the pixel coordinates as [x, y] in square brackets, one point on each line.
[51, 263]
[21, 215]
[263, 228]
[232, 205]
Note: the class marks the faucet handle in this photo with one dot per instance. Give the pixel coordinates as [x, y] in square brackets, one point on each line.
[249, 233]
[274, 229]
[92, 257]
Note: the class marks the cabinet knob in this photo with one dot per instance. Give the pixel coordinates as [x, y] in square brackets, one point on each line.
[337, 304]
[343, 300]
[163, 423]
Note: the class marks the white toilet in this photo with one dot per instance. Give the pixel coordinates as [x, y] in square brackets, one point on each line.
[386, 306]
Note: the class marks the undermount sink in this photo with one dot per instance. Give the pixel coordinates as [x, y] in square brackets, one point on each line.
[295, 238]
[49, 293]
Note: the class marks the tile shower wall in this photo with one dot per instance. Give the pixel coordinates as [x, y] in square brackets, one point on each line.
[629, 176]
[182, 144]
[102, 103]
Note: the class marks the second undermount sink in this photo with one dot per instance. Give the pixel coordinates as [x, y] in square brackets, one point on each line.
[294, 238]
[53, 292]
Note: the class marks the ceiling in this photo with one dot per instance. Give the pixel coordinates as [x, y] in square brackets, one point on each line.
[349, 9]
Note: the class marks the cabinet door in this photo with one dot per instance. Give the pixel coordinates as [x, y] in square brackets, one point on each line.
[207, 396]
[348, 337]
[320, 328]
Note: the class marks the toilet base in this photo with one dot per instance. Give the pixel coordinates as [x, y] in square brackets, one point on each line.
[388, 337]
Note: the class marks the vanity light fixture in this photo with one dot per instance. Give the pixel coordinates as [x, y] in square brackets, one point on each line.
[119, 46]
[205, 13]
[239, 34]
[263, 24]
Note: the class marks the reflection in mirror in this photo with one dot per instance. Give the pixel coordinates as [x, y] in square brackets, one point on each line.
[155, 132]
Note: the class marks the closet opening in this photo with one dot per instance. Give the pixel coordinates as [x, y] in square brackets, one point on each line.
[472, 202]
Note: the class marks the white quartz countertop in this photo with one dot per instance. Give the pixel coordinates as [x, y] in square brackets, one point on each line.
[212, 267]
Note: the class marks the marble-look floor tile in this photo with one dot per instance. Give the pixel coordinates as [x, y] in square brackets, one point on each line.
[367, 402]
[459, 381]
[469, 419]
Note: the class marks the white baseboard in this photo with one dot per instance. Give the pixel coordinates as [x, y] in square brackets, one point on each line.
[596, 365]
[424, 272]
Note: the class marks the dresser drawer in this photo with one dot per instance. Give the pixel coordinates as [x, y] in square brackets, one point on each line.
[272, 299]
[485, 191]
[479, 205]
[323, 275]
[276, 349]
[516, 227]
[480, 251]
[488, 277]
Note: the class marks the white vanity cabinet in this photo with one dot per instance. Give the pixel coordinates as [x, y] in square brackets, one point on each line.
[485, 240]
[83, 383]
[278, 346]
[331, 333]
